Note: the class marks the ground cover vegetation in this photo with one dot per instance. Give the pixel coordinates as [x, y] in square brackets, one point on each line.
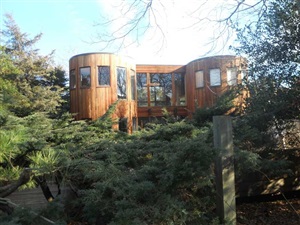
[160, 175]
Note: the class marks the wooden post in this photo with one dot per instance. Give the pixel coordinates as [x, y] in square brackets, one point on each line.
[224, 169]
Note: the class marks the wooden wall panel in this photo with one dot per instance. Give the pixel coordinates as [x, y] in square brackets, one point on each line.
[157, 111]
[207, 95]
[73, 97]
[195, 97]
[93, 102]
[160, 68]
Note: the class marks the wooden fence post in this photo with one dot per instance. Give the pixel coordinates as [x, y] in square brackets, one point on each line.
[224, 169]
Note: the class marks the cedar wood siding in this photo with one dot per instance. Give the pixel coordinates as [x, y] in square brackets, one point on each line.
[92, 103]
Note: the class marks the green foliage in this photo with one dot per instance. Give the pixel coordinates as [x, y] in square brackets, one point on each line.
[273, 78]
[36, 81]
[30, 92]
[24, 216]
[161, 175]
[273, 55]
[272, 50]
[223, 105]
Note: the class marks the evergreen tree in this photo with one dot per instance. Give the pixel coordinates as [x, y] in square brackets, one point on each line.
[272, 49]
[33, 74]
[30, 92]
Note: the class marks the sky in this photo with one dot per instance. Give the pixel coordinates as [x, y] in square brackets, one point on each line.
[72, 27]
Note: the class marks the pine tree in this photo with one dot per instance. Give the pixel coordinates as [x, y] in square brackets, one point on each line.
[32, 73]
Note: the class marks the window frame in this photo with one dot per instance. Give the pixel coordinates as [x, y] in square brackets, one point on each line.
[234, 81]
[72, 87]
[161, 88]
[90, 75]
[109, 79]
[219, 77]
[125, 79]
[144, 86]
[196, 75]
[178, 100]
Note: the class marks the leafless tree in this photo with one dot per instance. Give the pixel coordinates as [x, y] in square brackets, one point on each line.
[136, 18]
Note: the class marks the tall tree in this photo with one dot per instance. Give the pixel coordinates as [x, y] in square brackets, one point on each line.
[272, 48]
[32, 73]
[30, 91]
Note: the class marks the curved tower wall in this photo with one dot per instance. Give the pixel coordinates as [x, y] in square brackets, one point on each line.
[208, 78]
[97, 80]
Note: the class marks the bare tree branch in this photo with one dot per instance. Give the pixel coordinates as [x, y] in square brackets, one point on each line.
[223, 18]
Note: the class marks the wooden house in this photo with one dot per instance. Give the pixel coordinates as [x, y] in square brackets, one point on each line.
[97, 80]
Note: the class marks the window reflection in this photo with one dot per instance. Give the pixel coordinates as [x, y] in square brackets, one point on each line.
[103, 75]
[215, 77]
[133, 86]
[164, 89]
[179, 89]
[141, 79]
[232, 76]
[160, 89]
[199, 79]
[72, 79]
[85, 76]
[121, 83]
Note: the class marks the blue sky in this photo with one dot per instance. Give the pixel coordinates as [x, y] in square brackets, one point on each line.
[69, 25]
[63, 24]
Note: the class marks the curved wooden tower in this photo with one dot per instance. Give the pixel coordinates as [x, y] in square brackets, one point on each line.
[97, 80]
[208, 78]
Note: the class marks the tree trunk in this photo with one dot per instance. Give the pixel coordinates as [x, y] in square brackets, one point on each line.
[41, 180]
[10, 188]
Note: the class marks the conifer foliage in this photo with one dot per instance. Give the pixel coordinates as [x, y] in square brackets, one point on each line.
[30, 93]
[161, 175]
[32, 73]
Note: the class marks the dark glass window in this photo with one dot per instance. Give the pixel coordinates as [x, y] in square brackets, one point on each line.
[134, 124]
[141, 79]
[164, 89]
[123, 125]
[121, 83]
[133, 86]
[160, 89]
[85, 76]
[103, 76]
[72, 79]
[179, 89]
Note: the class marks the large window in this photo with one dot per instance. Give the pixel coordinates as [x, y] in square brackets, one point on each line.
[121, 83]
[160, 89]
[215, 77]
[231, 76]
[85, 76]
[103, 76]
[199, 79]
[179, 89]
[141, 79]
[72, 79]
